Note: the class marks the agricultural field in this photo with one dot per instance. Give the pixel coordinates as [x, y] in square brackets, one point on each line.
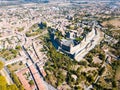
[115, 22]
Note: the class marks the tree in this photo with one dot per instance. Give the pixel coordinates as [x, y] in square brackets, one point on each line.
[89, 58]
[98, 87]
[84, 63]
[110, 26]
[79, 39]
[21, 63]
[102, 56]
[101, 71]
[5, 86]
[14, 51]
[79, 70]
[18, 47]
[31, 82]
[77, 88]
[78, 80]
[2, 83]
[42, 25]
[21, 87]
[115, 64]
[15, 79]
[114, 83]
[90, 78]
[1, 65]
[12, 87]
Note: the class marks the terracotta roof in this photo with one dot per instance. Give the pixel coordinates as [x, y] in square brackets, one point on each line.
[38, 79]
[23, 80]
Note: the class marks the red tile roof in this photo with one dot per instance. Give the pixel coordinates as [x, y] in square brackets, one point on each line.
[23, 80]
[39, 81]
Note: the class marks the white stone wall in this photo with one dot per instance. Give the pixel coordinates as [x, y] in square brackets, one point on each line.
[76, 49]
[80, 55]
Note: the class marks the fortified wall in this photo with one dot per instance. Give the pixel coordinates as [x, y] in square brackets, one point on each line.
[76, 49]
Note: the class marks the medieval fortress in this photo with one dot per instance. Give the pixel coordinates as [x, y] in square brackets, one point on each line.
[74, 49]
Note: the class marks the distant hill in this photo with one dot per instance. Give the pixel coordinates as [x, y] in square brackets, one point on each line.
[24, 1]
[17, 2]
[44, 1]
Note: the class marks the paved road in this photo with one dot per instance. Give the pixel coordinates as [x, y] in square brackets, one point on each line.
[27, 41]
[48, 86]
[1, 38]
[14, 60]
